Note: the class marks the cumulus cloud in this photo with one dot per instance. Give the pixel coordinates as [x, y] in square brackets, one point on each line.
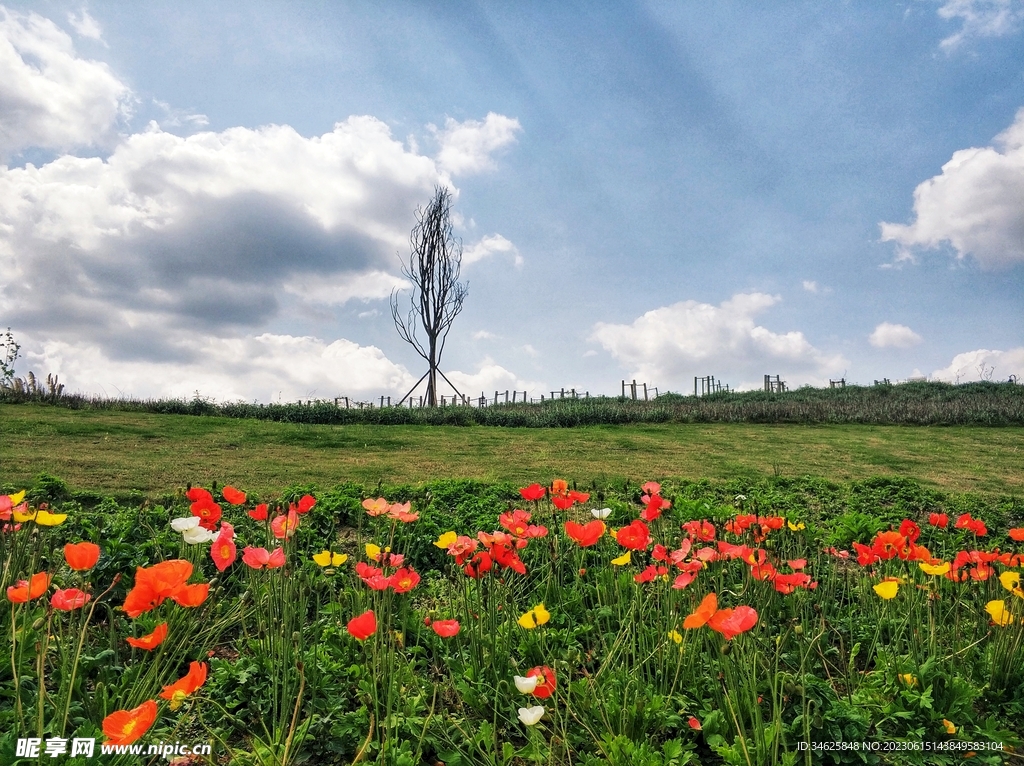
[983, 364]
[888, 335]
[264, 367]
[86, 26]
[671, 345]
[492, 377]
[975, 205]
[980, 18]
[490, 245]
[466, 147]
[484, 335]
[51, 97]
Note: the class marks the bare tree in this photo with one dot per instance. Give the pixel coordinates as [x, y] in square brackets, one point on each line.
[437, 296]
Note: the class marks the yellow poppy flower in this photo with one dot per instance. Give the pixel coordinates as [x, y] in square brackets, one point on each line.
[676, 636]
[909, 679]
[950, 728]
[1011, 581]
[536, 616]
[372, 551]
[47, 519]
[327, 559]
[21, 517]
[796, 527]
[998, 612]
[16, 499]
[446, 539]
[934, 569]
[622, 560]
[887, 589]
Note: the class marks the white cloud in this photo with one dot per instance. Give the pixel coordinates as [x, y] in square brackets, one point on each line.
[975, 205]
[489, 378]
[466, 147]
[261, 367]
[809, 286]
[671, 345]
[983, 364]
[981, 18]
[489, 245]
[888, 335]
[86, 26]
[51, 97]
[484, 335]
[338, 290]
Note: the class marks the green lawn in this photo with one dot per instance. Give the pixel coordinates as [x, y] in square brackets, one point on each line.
[115, 451]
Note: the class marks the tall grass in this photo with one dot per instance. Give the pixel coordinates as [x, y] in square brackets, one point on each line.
[935, 404]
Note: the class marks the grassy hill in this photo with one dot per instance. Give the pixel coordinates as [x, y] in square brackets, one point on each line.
[115, 452]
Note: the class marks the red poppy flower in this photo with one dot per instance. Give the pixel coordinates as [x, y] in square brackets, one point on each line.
[650, 573]
[208, 512]
[223, 551]
[910, 530]
[150, 641]
[585, 534]
[977, 526]
[702, 613]
[198, 494]
[533, 492]
[684, 580]
[730, 551]
[787, 583]
[259, 512]
[546, 686]
[702, 530]
[306, 502]
[233, 496]
[693, 723]
[562, 503]
[1016, 534]
[866, 555]
[404, 580]
[122, 727]
[797, 564]
[890, 544]
[940, 520]
[479, 565]
[363, 626]
[445, 628]
[27, 590]
[81, 556]
[186, 685]
[69, 599]
[635, 536]
[731, 622]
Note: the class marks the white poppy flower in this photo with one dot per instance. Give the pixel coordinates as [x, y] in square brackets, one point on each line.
[186, 523]
[197, 535]
[530, 715]
[601, 513]
[526, 684]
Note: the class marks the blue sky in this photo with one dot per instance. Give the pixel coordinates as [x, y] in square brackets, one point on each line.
[214, 198]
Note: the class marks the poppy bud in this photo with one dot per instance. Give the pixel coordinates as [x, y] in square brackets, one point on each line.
[38, 623]
[798, 629]
[726, 648]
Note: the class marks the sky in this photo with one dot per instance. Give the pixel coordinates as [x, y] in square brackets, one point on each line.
[216, 198]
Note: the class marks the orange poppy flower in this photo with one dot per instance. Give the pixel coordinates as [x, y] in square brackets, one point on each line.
[123, 727]
[150, 641]
[704, 612]
[284, 526]
[585, 534]
[363, 626]
[233, 496]
[559, 487]
[27, 590]
[81, 556]
[186, 685]
[69, 599]
[1016, 534]
[161, 581]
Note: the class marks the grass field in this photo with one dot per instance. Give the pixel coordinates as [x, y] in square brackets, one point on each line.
[115, 452]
